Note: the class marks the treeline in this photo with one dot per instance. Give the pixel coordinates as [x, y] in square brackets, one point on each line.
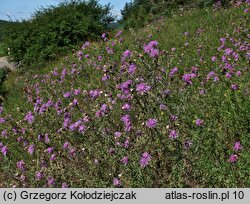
[138, 13]
[3, 26]
[54, 30]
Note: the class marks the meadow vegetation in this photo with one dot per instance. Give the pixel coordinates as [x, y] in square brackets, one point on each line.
[167, 105]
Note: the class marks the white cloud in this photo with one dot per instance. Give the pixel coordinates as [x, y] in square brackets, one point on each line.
[116, 12]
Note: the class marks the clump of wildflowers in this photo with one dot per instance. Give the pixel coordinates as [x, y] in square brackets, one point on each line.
[152, 49]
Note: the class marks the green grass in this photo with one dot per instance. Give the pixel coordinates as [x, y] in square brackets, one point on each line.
[226, 113]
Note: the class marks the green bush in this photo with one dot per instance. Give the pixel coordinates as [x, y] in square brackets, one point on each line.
[139, 13]
[3, 76]
[56, 29]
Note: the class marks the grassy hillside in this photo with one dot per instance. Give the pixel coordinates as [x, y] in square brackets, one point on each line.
[165, 106]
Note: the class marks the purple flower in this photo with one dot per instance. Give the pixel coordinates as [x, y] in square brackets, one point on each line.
[202, 92]
[104, 108]
[85, 45]
[2, 120]
[22, 178]
[228, 51]
[188, 78]
[72, 152]
[118, 33]
[4, 150]
[29, 118]
[50, 150]
[20, 165]
[94, 93]
[163, 107]
[228, 75]
[216, 78]
[75, 102]
[99, 58]
[173, 117]
[187, 144]
[237, 146]
[233, 158]
[124, 160]
[1, 109]
[19, 139]
[39, 175]
[145, 159]
[66, 145]
[154, 53]
[51, 181]
[126, 54]
[151, 123]
[126, 143]
[213, 59]
[151, 49]
[247, 10]
[79, 55]
[73, 126]
[126, 120]
[238, 73]
[126, 106]
[82, 128]
[112, 151]
[234, 87]
[47, 140]
[117, 182]
[52, 157]
[173, 134]
[166, 93]
[117, 134]
[199, 122]
[67, 95]
[105, 77]
[143, 88]
[64, 185]
[4, 133]
[173, 71]
[132, 69]
[125, 85]
[104, 36]
[31, 149]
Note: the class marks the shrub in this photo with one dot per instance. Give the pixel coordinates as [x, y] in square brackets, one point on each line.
[56, 29]
[3, 76]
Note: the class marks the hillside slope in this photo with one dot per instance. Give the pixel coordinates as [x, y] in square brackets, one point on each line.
[164, 107]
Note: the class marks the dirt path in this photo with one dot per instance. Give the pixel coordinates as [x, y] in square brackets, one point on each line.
[4, 62]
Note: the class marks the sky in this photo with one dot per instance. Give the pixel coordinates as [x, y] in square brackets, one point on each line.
[20, 9]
